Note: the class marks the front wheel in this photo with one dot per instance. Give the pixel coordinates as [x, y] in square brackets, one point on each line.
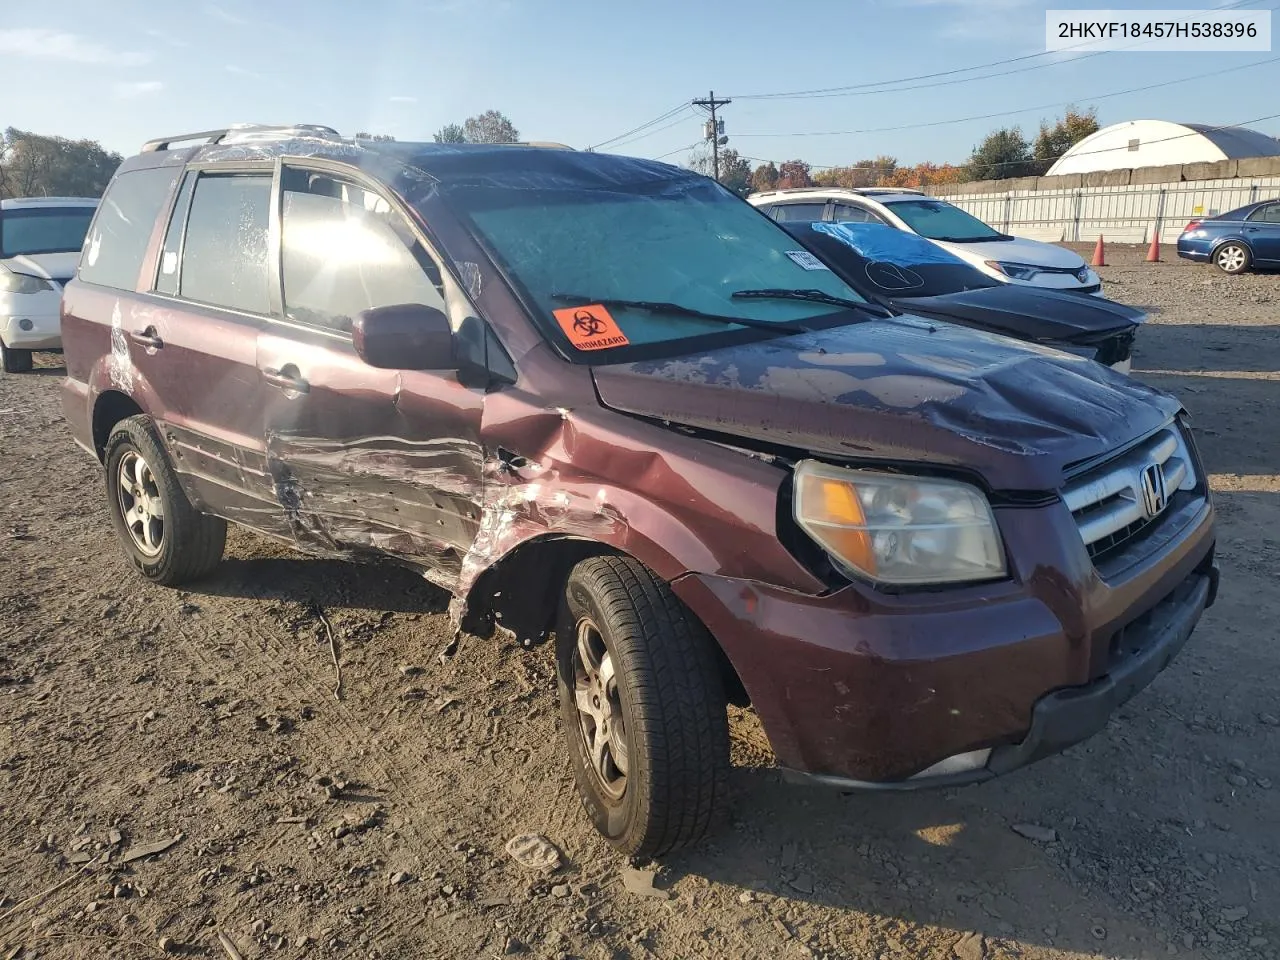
[15, 361]
[1232, 258]
[643, 708]
[167, 539]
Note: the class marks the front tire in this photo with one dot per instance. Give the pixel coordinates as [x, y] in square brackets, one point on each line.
[15, 361]
[1232, 258]
[167, 539]
[643, 708]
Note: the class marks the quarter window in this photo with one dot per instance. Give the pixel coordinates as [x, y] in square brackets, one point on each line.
[344, 250]
[117, 241]
[224, 255]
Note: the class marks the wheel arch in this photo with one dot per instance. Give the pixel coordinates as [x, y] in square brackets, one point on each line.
[520, 593]
[109, 408]
[1223, 241]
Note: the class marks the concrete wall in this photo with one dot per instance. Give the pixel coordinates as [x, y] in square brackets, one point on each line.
[1126, 206]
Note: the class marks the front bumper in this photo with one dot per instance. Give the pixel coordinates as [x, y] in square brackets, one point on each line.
[23, 331]
[1066, 717]
[865, 690]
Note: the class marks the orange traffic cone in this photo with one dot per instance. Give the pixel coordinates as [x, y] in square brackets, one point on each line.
[1099, 254]
[1153, 254]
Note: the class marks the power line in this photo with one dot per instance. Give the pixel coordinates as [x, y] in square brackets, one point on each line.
[866, 89]
[662, 156]
[683, 105]
[1009, 113]
[649, 133]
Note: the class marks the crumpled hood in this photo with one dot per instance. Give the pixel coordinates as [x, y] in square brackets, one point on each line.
[1036, 314]
[901, 390]
[1017, 250]
[47, 266]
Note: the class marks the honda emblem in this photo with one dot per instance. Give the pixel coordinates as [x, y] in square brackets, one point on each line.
[1154, 495]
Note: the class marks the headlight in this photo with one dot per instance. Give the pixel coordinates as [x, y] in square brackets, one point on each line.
[1019, 271]
[898, 530]
[11, 282]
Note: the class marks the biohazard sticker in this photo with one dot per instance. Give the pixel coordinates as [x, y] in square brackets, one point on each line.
[590, 327]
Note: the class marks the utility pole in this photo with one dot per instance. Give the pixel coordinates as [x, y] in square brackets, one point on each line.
[715, 130]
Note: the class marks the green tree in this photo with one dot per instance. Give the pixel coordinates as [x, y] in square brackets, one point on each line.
[450, 133]
[376, 137]
[490, 127]
[32, 165]
[735, 170]
[765, 177]
[1004, 153]
[1053, 141]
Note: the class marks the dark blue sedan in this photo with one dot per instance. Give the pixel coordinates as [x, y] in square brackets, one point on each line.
[1236, 240]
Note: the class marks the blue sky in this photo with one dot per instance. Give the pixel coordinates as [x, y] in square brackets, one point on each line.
[581, 72]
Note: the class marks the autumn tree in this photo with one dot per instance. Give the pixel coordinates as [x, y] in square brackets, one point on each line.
[32, 165]
[489, 127]
[794, 173]
[765, 177]
[1004, 153]
[450, 133]
[1053, 141]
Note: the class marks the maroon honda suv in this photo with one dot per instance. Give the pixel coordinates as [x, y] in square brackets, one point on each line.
[604, 400]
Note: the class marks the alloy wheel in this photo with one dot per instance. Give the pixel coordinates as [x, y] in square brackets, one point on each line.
[140, 504]
[600, 719]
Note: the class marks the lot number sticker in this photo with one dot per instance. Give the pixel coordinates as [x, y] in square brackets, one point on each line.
[807, 260]
[590, 327]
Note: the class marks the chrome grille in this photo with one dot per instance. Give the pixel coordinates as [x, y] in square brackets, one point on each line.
[1113, 502]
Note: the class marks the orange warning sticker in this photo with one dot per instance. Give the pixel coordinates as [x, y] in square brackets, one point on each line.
[590, 327]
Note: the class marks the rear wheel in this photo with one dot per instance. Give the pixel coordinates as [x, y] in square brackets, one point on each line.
[167, 539]
[15, 361]
[642, 706]
[1232, 258]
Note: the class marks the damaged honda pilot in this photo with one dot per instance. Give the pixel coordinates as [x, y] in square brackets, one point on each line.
[604, 400]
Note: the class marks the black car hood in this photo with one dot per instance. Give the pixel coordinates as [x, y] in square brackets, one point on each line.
[901, 390]
[1046, 316]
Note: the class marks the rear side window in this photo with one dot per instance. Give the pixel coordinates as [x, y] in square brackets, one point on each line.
[798, 211]
[344, 250]
[224, 252]
[848, 213]
[117, 241]
[1267, 214]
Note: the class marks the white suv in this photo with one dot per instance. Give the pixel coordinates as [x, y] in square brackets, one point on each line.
[1006, 258]
[40, 241]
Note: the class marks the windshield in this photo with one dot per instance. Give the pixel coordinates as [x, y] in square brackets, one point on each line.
[939, 220]
[44, 230]
[686, 243]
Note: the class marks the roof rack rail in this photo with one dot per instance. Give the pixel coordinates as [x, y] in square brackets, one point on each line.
[217, 136]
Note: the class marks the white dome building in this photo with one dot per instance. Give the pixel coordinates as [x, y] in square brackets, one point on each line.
[1155, 143]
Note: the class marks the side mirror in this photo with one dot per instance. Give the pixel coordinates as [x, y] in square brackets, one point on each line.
[409, 336]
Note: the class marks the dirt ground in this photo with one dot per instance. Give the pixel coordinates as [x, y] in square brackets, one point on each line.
[375, 826]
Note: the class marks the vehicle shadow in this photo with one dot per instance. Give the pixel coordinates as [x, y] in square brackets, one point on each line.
[1194, 348]
[382, 587]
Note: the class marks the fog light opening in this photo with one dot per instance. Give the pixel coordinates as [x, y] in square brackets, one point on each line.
[25, 325]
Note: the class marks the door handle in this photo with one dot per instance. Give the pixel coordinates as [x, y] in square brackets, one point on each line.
[147, 338]
[286, 378]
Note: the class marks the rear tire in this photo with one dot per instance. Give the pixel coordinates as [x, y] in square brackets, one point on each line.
[15, 361]
[167, 539]
[643, 708]
[1232, 258]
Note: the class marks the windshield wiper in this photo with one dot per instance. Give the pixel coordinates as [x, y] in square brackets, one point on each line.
[662, 306]
[810, 296]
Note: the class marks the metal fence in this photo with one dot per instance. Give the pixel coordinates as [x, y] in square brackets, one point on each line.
[1126, 214]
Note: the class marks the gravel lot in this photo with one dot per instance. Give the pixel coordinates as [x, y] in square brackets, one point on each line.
[375, 826]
